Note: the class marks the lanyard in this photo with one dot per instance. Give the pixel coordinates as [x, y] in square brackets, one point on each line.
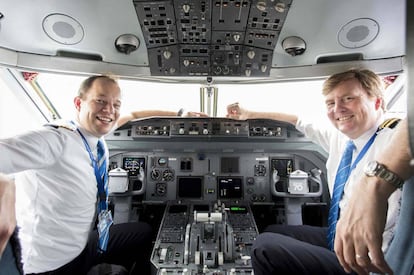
[103, 205]
[363, 151]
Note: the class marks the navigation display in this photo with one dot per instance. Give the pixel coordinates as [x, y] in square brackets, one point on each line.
[230, 187]
[190, 187]
[133, 165]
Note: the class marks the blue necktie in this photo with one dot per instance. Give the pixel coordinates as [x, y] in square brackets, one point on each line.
[341, 178]
[102, 169]
[104, 216]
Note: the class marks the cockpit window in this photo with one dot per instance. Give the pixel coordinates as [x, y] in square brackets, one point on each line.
[298, 97]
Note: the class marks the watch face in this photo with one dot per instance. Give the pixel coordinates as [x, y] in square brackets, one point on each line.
[371, 168]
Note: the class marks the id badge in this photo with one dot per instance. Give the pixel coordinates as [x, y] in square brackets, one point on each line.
[104, 223]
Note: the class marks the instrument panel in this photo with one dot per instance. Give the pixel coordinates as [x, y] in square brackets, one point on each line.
[208, 127]
[206, 38]
[209, 176]
[211, 158]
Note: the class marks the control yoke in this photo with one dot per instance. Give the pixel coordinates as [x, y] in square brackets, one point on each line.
[298, 184]
[119, 182]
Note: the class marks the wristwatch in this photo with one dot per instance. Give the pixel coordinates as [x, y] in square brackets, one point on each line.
[376, 169]
[180, 112]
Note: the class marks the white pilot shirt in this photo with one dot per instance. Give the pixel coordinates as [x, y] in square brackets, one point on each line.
[333, 141]
[56, 194]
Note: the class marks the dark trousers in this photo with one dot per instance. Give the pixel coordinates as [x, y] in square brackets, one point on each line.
[10, 262]
[302, 249]
[400, 255]
[129, 245]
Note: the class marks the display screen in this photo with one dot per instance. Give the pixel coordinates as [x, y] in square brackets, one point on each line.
[133, 165]
[238, 209]
[230, 187]
[229, 165]
[190, 187]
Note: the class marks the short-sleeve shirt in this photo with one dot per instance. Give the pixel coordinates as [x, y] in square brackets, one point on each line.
[333, 141]
[56, 194]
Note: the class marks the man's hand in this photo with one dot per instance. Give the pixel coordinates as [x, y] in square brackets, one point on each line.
[195, 114]
[234, 111]
[358, 238]
[7, 210]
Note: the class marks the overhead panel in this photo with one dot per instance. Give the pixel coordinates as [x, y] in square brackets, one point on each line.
[211, 37]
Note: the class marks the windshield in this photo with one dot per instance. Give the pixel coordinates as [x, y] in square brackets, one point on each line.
[293, 97]
[302, 98]
[50, 96]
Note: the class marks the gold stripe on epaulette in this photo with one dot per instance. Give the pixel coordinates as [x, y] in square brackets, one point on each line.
[389, 123]
[67, 127]
[62, 124]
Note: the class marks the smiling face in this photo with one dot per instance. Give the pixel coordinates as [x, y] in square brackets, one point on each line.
[351, 110]
[98, 106]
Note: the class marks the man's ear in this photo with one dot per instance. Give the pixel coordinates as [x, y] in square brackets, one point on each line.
[378, 103]
[77, 102]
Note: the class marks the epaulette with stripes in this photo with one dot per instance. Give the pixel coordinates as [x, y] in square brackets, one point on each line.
[69, 125]
[389, 123]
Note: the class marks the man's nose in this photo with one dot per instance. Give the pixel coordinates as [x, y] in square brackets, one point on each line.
[339, 105]
[109, 107]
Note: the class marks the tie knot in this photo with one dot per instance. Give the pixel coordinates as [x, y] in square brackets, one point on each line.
[100, 149]
[350, 146]
[100, 145]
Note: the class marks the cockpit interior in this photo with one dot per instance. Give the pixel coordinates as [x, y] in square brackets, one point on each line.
[215, 183]
[208, 185]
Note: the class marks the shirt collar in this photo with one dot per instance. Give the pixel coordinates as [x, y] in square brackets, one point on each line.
[91, 139]
[363, 139]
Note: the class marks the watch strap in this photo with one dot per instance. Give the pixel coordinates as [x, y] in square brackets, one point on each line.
[388, 176]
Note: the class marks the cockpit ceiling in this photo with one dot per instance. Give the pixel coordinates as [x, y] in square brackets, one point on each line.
[193, 40]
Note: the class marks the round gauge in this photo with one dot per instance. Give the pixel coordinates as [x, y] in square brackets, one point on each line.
[250, 181]
[162, 161]
[155, 174]
[161, 189]
[168, 175]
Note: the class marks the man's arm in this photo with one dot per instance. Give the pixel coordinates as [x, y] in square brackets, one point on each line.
[359, 230]
[7, 210]
[235, 111]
